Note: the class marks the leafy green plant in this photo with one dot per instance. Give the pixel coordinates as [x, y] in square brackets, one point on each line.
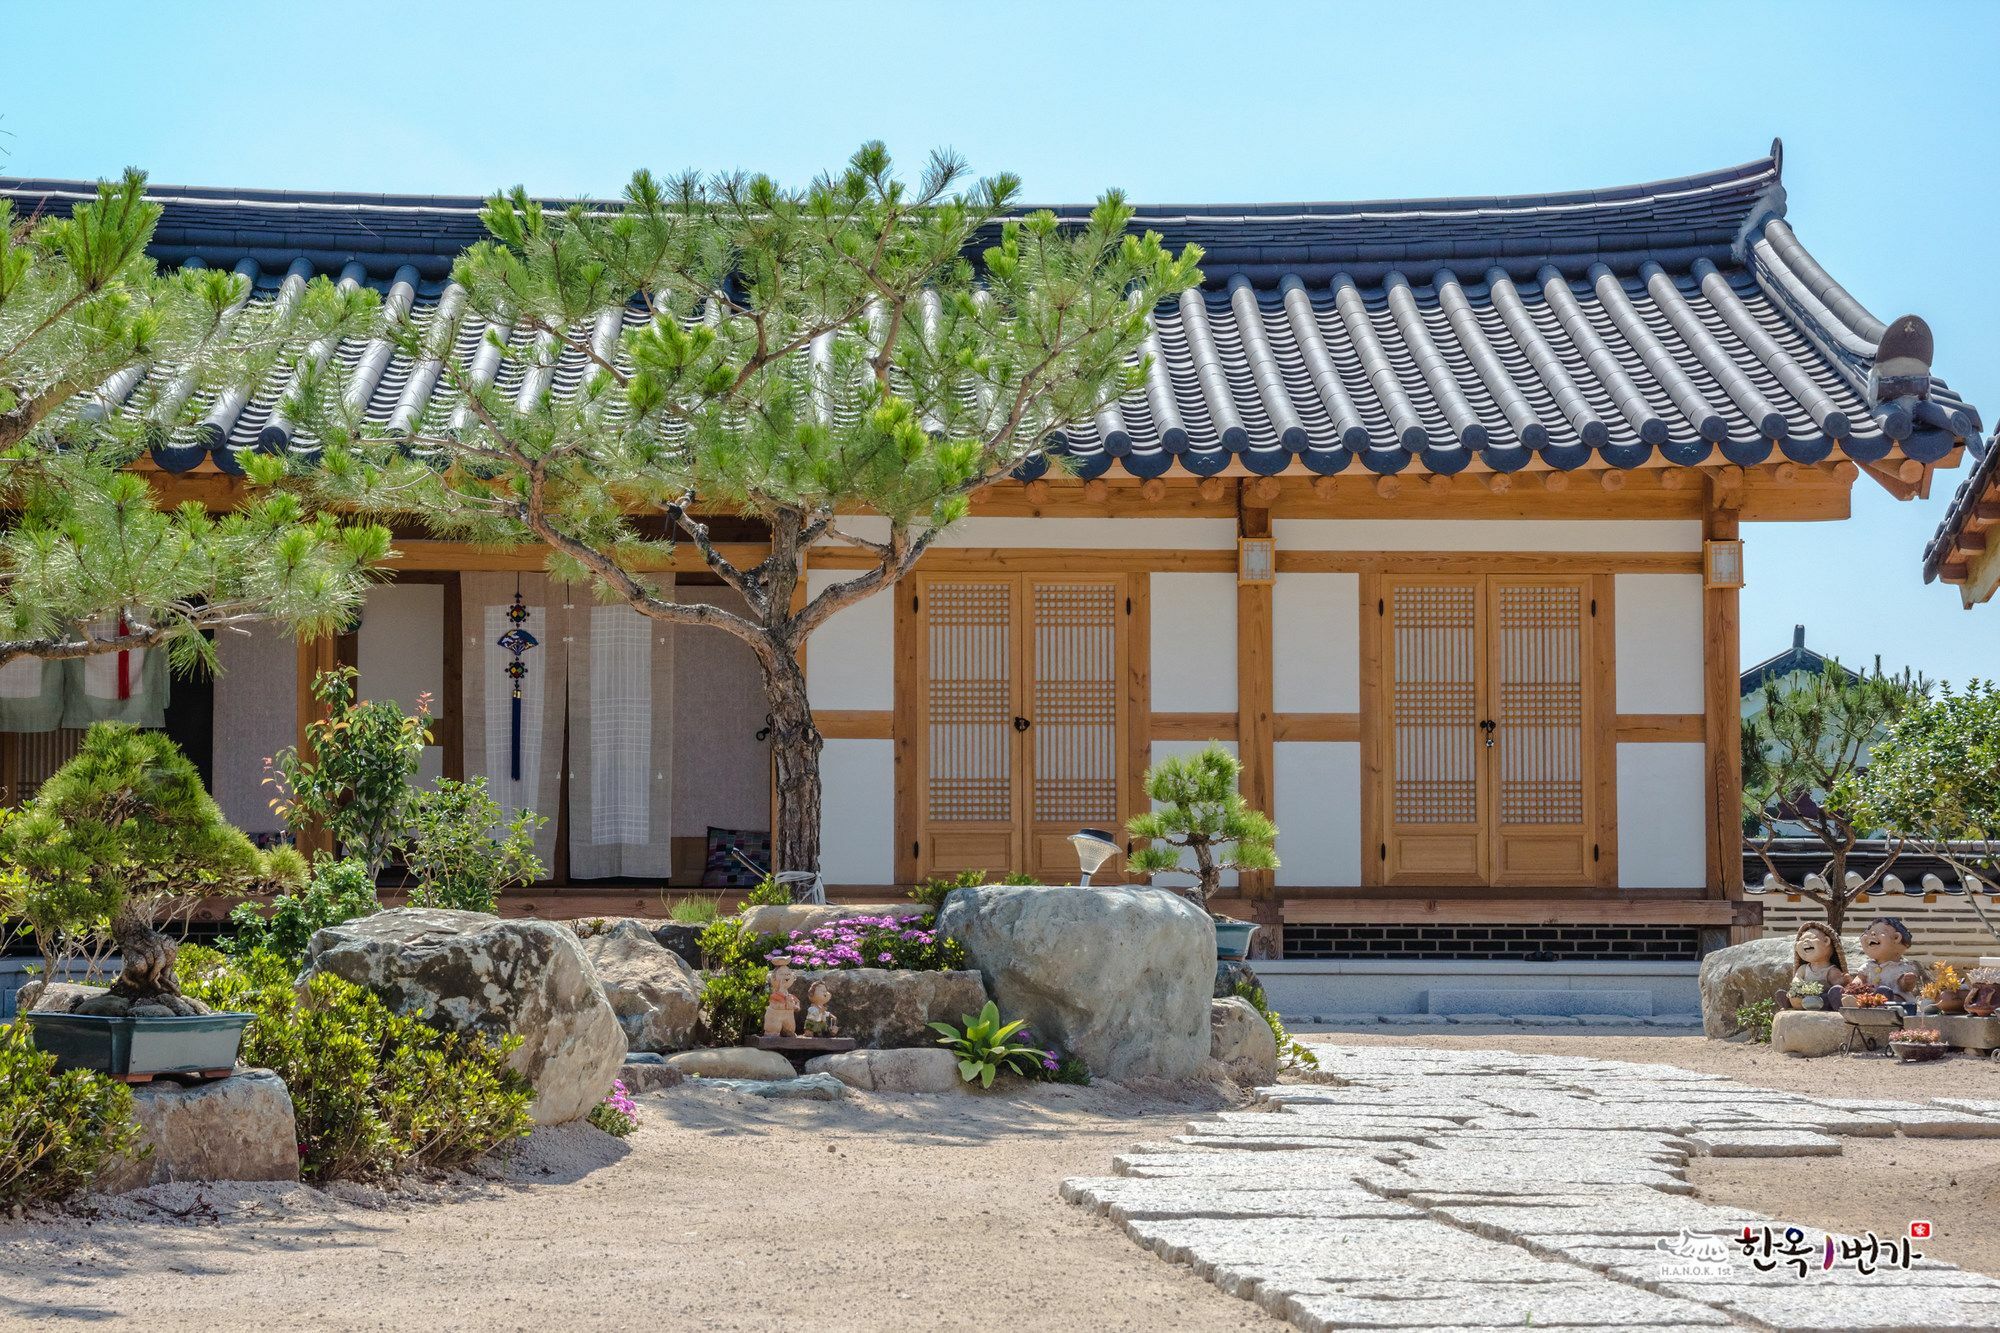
[1755, 1019]
[931, 893]
[58, 1132]
[983, 1048]
[694, 910]
[1291, 1050]
[617, 1115]
[376, 1094]
[450, 850]
[1200, 810]
[353, 777]
[768, 893]
[739, 981]
[338, 891]
[119, 839]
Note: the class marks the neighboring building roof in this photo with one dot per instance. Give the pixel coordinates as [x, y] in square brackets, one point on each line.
[1793, 660]
[1599, 327]
[1975, 508]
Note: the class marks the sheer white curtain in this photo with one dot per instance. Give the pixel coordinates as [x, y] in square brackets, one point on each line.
[621, 743]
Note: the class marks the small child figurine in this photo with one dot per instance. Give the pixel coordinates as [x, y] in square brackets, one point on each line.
[781, 1015]
[820, 1021]
[1885, 942]
[1816, 957]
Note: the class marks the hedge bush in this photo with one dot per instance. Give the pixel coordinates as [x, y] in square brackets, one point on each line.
[58, 1132]
[376, 1094]
[339, 891]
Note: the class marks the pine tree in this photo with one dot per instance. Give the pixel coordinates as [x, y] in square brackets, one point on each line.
[798, 356]
[1199, 808]
[102, 356]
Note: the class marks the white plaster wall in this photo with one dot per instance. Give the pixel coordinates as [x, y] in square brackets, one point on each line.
[1662, 826]
[857, 812]
[850, 660]
[1194, 643]
[1174, 749]
[1658, 642]
[1111, 534]
[1486, 534]
[1317, 808]
[1316, 643]
[399, 653]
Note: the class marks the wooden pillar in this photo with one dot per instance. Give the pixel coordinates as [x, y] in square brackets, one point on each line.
[1138, 693]
[1255, 727]
[1723, 722]
[315, 656]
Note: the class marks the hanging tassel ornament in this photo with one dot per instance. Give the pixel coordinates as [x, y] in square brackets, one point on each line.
[517, 640]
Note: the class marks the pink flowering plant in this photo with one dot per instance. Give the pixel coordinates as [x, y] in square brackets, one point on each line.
[617, 1114]
[909, 943]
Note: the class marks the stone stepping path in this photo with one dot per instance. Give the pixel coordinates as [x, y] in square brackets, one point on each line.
[1456, 1190]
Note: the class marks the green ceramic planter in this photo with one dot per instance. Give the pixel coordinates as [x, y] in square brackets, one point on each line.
[111, 1045]
[1232, 939]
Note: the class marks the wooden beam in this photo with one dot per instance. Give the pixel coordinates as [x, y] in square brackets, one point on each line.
[1317, 726]
[1029, 560]
[1661, 727]
[1254, 685]
[1521, 907]
[426, 554]
[1721, 707]
[1194, 726]
[1489, 562]
[1602, 742]
[314, 657]
[1374, 700]
[855, 724]
[908, 683]
[1138, 692]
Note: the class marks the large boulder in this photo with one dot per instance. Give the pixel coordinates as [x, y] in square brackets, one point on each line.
[1808, 1032]
[1119, 977]
[656, 996]
[933, 1071]
[237, 1128]
[1241, 1038]
[471, 972]
[884, 1008]
[1739, 975]
[750, 1062]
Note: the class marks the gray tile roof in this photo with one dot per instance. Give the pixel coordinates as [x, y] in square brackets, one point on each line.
[1680, 318]
[1980, 487]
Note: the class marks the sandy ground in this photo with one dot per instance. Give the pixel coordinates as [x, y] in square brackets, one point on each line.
[1878, 1185]
[721, 1212]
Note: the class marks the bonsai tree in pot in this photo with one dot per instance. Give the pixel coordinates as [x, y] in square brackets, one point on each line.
[119, 840]
[1199, 808]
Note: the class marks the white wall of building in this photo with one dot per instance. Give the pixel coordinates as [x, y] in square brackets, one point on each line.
[850, 660]
[1490, 534]
[1316, 801]
[399, 653]
[858, 812]
[1659, 642]
[1662, 823]
[1316, 643]
[1194, 643]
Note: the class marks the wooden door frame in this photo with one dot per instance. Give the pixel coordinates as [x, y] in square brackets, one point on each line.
[1589, 743]
[1384, 705]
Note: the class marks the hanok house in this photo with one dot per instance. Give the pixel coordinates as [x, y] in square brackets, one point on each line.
[1430, 510]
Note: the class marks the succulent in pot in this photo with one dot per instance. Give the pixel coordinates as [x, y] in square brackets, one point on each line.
[1808, 994]
[1918, 1044]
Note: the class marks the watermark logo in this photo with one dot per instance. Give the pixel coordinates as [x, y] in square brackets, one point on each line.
[1769, 1248]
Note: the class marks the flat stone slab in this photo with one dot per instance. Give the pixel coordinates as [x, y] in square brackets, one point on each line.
[1523, 1002]
[805, 1088]
[1764, 1143]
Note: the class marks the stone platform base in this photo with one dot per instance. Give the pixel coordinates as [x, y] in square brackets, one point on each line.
[240, 1128]
[1809, 1032]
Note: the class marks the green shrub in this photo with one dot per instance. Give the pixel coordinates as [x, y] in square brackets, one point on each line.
[451, 853]
[768, 893]
[354, 777]
[985, 1046]
[1755, 1018]
[58, 1132]
[739, 981]
[931, 892]
[376, 1094]
[1294, 1053]
[339, 891]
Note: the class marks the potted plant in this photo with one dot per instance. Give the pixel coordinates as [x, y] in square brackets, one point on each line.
[1946, 990]
[1918, 1044]
[119, 841]
[1198, 808]
[1982, 995]
[1808, 994]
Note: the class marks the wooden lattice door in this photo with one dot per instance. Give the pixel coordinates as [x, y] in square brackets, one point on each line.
[1487, 762]
[1023, 725]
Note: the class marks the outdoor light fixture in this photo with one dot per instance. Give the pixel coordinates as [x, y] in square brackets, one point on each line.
[1722, 564]
[1256, 560]
[1093, 848]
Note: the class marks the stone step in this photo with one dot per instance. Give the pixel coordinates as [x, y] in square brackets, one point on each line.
[1556, 1003]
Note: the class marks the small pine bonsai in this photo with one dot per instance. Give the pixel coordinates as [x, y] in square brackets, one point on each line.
[113, 841]
[1199, 808]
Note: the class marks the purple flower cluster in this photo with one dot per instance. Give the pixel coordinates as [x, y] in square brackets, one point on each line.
[908, 942]
[621, 1101]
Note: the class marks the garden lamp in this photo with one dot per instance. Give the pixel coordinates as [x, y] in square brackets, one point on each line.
[1093, 848]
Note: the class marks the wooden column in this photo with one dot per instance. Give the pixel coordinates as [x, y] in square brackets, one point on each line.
[1255, 726]
[1723, 722]
[315, 656]
[1138, 693]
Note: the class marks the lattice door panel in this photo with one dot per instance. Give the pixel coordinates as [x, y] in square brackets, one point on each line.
[1436, 792]
[1075, 682]
[1540, 752]
[970, 761]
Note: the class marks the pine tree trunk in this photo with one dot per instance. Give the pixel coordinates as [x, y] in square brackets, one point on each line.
[147, 958]
[795, 751]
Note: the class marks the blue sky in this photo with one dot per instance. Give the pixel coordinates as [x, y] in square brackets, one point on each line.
[1892, 143]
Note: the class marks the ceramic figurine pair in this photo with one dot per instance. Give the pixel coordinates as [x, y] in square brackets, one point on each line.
[781, 1015]
[1816, 957]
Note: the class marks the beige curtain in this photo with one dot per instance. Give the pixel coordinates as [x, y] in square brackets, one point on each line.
[621, 742]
